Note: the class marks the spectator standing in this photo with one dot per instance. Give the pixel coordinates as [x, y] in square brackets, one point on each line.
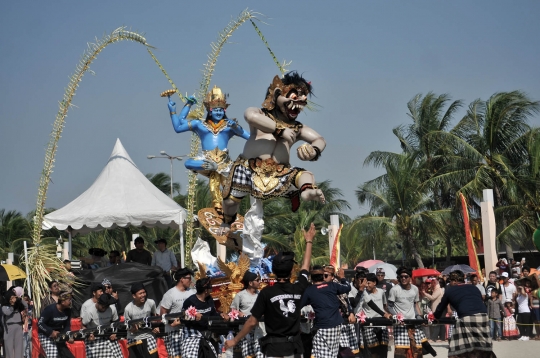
[437, 332]
[97, 291]
[508, 289]
[495, 310]
[503, 266]
[12, 318]
[471, 336]
[52, 296]
[404, 299]
[172, 302]
[141, 342]
[108, 288]
[323, 298]
[54, 320]
[382, 283]
[114, 258]
[139, 254]
[510, 330]
[524, 321]
[164, 258]
[535, 304]
[491, 284]
[278, 304]
[479, 286]
[27, 328]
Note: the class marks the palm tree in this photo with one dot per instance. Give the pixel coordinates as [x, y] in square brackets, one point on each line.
[399, 204]
[488, 145]
[162, 181]
[13, 226]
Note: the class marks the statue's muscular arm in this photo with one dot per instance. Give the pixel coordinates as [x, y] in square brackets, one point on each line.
[179, 121]
[256, 119]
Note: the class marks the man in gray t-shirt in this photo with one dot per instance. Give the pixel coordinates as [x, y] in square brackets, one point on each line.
[405, 300]
[103, 313]
[172, 302]
[141, 342]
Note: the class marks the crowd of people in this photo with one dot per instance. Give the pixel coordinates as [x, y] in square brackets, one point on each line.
[319, 315]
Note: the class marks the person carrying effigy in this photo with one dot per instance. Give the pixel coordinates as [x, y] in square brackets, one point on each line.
[103, 313]
[172, 302]
[263, 170]
[280, 306]
[243, 301]
[403, 302]
[55, 319]
[323, 298]
[140, 340]
[471, 336]
[215, 131]
[198, 340]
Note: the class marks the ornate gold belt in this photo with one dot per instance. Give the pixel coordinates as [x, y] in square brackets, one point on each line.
[266, 173]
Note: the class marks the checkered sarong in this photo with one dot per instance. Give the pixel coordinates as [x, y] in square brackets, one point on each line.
[371, 337]
[348, 338]
[102, 348]
[48, 346]
[250, 346]
[471, 334]
[401, 337]
[326, 342]
[241, 180]
[151, 344]
[190, 346]
[173, 342]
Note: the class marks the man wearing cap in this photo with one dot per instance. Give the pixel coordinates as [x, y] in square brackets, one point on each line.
[280, 306]
[197, 339]
[103, 313]
[97, 291]
[348, 338]
[508, 289]
[382, 283]
[54, 320]
[323, 297]
[52, 297]
[437, 332]
[243, 301]
[139, 254]
[108, 288]
[141, 342]
[403, 299]
[172, 302]
[165, 259]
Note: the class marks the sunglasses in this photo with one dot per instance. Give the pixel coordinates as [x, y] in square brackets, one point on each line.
[380, 274]
[326, 275]
[187, 278]
[404, 276]
[107, 287]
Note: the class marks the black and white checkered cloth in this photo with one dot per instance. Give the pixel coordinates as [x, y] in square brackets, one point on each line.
[102, 348]
[242, 181]
[326, 342]
[173, 342]
[151, 344]
[348, 338]
[401, 337]
[371, 337]
[190, 346]
[471, 334]
[250, 347]
[48, 346]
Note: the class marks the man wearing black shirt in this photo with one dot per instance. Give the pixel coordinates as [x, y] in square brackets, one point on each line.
[55, 319]
[322, 296]
[471, 335]
[280, 306]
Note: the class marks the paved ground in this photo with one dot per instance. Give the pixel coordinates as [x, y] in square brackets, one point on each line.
[502, 349]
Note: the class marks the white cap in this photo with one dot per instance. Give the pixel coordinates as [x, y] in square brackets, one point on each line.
[504, 274]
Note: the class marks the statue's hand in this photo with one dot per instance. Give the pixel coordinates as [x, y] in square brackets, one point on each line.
[234, 126]
[191, 100]
[289, 135]
[306, 152]
[172, 106]
[209, 165]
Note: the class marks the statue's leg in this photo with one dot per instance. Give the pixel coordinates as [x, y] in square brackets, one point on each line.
[214, 184]
[230, 208]
[198, 165]
[309, 191]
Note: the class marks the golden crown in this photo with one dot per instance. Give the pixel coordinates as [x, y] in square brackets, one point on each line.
[215, 98]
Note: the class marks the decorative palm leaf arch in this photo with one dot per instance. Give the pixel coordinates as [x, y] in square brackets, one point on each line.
[41, 262]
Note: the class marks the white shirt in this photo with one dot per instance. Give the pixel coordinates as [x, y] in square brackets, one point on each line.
[133, 311]
[508, 292]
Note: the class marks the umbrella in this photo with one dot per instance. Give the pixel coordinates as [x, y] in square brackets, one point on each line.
[423, 272]
[11, 272]
[463, 268]
[369, 263]
[389, 270]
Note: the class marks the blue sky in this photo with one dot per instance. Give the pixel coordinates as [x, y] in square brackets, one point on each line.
[365, 59]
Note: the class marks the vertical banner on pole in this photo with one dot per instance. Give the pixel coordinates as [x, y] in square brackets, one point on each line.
[489, 230]
[473, 258]
[335, 248]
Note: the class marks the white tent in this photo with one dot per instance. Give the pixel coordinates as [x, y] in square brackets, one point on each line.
[120, 196]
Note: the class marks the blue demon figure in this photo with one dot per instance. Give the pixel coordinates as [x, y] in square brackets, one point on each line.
[215, 131]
